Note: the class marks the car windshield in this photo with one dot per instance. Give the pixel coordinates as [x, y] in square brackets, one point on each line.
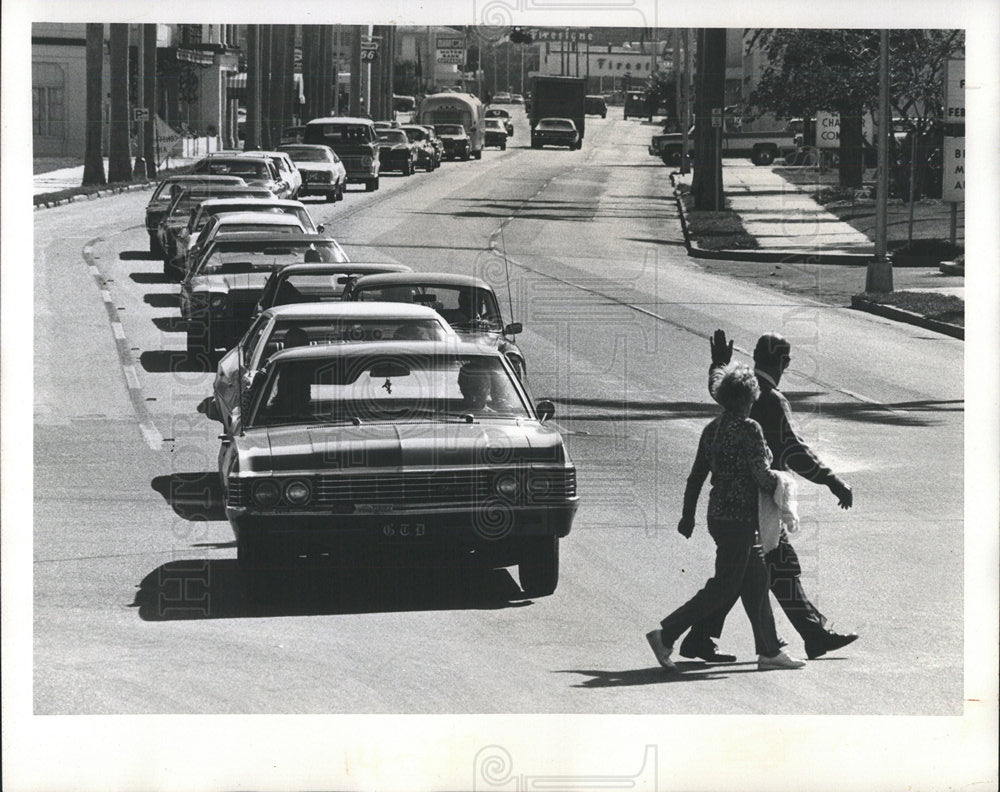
[464, 308]
[339, 133]
[497, 114]
[310, 154]
[236, 256]
[557, 124]
[165, 189]
[415, 134]
[243, 167]
[389, 387]
[303, 287]
[449, 129]
[298, 212]
[394, 136]
[189, 199]
[494, 123]
[293, 331]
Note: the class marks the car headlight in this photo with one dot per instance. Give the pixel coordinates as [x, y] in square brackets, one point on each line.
[266, 493]
[217, 301]
[507, 486]
[297, 492]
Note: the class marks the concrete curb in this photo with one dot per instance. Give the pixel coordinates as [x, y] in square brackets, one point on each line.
[761, 256]
[899, 315]
[102, 193]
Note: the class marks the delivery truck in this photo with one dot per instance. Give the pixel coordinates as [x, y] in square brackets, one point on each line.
[559, 97]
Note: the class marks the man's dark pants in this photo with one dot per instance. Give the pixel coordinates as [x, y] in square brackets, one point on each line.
[786, 585]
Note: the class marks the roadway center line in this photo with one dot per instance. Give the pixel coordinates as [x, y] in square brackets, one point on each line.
[136, 394]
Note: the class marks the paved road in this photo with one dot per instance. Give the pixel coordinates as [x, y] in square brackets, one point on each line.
[136, 603]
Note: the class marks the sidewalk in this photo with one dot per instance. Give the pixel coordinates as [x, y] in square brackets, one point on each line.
[789, 226]
[71, 178]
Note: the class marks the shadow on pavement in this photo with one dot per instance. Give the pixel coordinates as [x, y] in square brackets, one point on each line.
[193, 496]
[169, 324]
[149, 277]
[167, 361]
[805, 405]
[686, 672]
[213, 589]
[138, 255]
[158, 300]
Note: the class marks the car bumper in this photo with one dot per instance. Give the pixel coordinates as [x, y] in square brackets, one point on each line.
[459, 527]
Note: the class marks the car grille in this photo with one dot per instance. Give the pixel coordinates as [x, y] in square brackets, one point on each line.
[342, 493]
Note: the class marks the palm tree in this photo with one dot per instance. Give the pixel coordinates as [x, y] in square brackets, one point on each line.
[93, 162]
[119, 155]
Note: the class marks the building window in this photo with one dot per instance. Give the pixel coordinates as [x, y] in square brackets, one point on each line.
[48, 100]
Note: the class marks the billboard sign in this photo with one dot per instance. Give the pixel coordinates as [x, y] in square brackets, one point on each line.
[953, 177]
[954, 92]
[451, 56]
[827, 129]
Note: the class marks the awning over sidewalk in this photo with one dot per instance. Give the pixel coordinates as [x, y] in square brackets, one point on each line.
[237, 84]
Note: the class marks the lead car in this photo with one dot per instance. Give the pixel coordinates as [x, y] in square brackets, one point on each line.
[417, 443]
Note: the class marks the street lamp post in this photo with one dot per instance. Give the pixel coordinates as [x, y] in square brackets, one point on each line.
[879, 275]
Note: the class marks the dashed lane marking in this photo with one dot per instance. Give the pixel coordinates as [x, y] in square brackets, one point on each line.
[152, 435]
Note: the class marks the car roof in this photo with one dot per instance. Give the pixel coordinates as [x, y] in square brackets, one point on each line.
[284, 146]
[258, 217]
[275, 202]
[210, 177]
[421, 279]
[216, 189]
[342, 120]
[553, 118]
[284, 239]
[452, 346]
[344, 267]
[356, 310]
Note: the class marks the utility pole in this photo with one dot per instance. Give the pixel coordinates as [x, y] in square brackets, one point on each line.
[355, 70]
[251, 132]
[879, 275]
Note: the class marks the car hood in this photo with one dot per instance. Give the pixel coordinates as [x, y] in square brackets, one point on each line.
[397, 446]
[317, 166]
[453, 137]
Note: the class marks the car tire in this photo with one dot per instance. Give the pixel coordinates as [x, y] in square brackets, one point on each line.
[478, 155]
[538, 568]
[256, 576]
[340, 192]
[371, 184]
[604, 115]
[535, 145]
[466, 156]
[331, 196]
[671, 157]
[503, 146]
[762, 156]
[155, 248]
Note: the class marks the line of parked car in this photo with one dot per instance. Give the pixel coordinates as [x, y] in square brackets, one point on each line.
[364, 407]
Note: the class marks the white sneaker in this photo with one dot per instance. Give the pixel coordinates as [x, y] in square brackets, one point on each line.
[655, 638]
[779, 661]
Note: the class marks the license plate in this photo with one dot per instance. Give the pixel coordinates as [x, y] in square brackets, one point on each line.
[403, 531]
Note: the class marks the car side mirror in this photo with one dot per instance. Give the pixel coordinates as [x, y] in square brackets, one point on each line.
[513, 328]
[545, 409]
[320, 228]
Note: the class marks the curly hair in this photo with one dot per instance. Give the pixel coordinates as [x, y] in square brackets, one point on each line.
[738, 389]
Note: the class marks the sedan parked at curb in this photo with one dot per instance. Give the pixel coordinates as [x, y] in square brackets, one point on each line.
[255, 171]
[322, 171]
[313, 324]
[396, 152]
[165, 191]
[469, 304]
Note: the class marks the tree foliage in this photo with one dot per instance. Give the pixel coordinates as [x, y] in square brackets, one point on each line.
[837, 71]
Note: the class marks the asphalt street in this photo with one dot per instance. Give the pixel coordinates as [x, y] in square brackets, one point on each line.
[136, 603]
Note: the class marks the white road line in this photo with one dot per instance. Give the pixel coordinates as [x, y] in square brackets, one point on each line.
[106, 295]
[118, 330]
[131, 377]
[152, 435]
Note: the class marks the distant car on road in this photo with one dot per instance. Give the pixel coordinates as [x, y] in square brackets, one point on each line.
[504, 116]
[322, 171]
[255, 171]
[503, 97]
[555, 132]
[389, 445]
[495, 134]
[354, 141]
[164, 192]
[595, 105]
[428, 155]
[456, 142]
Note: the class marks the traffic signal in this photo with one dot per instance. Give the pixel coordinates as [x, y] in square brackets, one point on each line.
[519, 35]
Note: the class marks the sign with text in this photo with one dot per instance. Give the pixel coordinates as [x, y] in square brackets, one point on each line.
[450, 42]
[451, 56]
[368, 55]
[140, 113]
[954, 92]
[953, 177]
[827, 129]
[561, 35]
